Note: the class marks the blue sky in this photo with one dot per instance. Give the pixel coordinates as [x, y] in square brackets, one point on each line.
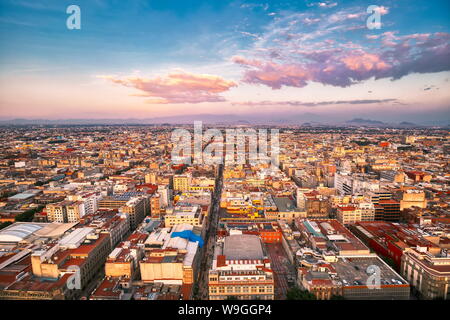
[165, 57]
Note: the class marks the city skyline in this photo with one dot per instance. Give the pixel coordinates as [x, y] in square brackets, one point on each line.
[154, 59]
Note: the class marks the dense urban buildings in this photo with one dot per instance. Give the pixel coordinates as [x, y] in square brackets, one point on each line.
[103, 213]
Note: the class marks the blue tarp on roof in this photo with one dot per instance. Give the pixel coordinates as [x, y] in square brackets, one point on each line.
[188, 234]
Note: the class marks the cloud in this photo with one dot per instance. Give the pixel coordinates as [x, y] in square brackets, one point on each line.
[382, 10]
[309, 21]
[431, 87]
[324, 4]
[177, 87]
[312, 104]
[300, 48]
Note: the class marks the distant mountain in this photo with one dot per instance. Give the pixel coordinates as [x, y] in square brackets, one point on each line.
[206, 118]
[301, 119]
[406, 124]
[366, 122]
[241, 119]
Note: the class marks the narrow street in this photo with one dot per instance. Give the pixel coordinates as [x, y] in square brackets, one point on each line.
[210, 238]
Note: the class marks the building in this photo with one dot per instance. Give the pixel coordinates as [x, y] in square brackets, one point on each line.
[89, 199]
[427, 273]
[376, 196]
[192, 215]
[117, 225]
[391, 240]
[287, 210]
[332, 249]
[65, 211]
[347, 214]
[155, 207]
[315, 204]
[46, 270]
[136, 208]
[387, 210]
[83, 249]
[413, 198]
[240, 269]
[269, 232]
[321, 284]
[181, 182]
[171, 257]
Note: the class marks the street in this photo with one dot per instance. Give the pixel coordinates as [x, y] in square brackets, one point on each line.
[210, 239]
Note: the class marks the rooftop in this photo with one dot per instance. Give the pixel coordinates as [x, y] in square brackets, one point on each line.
[244, 246]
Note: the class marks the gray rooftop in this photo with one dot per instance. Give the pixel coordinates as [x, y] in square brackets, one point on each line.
[243, 246]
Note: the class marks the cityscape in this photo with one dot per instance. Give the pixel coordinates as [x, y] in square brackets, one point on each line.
[104, 209]
[229, 151]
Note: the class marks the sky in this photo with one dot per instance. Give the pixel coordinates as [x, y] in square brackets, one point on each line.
[162, 58]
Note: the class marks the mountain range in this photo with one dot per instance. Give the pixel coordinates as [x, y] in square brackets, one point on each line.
[308, 119]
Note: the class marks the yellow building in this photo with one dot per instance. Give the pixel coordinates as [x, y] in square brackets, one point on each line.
[181, 182]
[413, 198]
[192, 215]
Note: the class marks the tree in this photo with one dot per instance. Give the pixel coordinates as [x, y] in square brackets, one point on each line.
[195, 290]
[296, 293]
[28, 215]
[5, 224]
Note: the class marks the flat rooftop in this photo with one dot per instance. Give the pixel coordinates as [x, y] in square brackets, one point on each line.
[355, 269]
[243, 246]
[284, 204]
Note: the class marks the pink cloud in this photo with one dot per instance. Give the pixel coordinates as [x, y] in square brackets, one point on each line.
[178, 87]
[296, 103]
[350, 63]
[355, 15]
[382, 10]
[364, 62]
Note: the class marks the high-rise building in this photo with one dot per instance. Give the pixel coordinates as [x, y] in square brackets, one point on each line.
[137, 208]
[387, 210]
[65, 211]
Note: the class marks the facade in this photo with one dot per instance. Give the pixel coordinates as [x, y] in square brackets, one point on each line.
[181, 182]
[65, 211]
[352, 213]
[320, 284]
[155, 207]
[88, 254]
[427, 273]
[170, 265]
[413, 198]
[241, 270]
[136, 208]
[387, 210]
[192, 215]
